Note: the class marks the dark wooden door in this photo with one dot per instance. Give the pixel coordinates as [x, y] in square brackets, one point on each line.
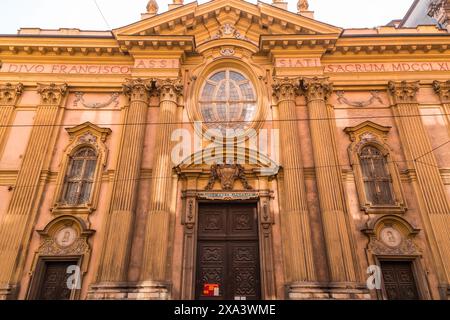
[54, 281]
[399, 280]
[228, 252]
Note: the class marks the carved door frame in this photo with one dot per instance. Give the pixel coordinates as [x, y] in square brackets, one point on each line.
[189, 257]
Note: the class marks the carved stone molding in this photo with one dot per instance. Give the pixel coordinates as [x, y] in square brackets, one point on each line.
[229, 31]
[285, 88]
[169, 89]
[52, 94]
[227, 174]
[138, 89]
[113, 99]
[359, 104]
[316, 88]
[407, 247]
[404, 92]
[443, 90]
[9, 93]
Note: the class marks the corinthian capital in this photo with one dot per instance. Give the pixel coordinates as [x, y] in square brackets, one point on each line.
[138, 89]
[443, 90]
[404, 92]
[169, 89]
[285, 88]
[52, 94]
[9, 94]
[316, 88]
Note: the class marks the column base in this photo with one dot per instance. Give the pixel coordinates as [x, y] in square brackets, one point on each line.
[147, 290]
[8, 291]
[327, 291]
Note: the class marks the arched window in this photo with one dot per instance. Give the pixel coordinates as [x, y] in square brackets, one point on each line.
[228, 95]
[79, 177]
[377, 180]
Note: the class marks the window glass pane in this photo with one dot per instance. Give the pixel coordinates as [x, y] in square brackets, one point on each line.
[90, 169]
[76, 168]
[71, 193]
[228, 96]
[218, 76]
[377, 181]
[85, 192]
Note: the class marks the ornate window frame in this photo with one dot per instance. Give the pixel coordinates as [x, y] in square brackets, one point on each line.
[371, 134]
[77, 250]
[239, 63]
[84, 135]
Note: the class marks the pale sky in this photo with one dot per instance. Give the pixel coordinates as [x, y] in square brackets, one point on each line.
[83, 14]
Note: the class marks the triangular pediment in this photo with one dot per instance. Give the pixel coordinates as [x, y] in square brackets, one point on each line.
[231, 18]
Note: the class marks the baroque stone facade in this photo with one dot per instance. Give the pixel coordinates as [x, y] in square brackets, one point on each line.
[225, 150]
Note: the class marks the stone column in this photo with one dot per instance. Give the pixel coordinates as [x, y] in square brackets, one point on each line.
[431, 190]
[9, 95]
[155, 258]
[342, 263]
[113, 267]
[298, 255]
[17, 224]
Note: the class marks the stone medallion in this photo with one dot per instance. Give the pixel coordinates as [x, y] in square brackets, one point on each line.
[390, 237]
[66, 237]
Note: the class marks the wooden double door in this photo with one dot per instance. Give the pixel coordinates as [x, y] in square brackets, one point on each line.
[228, 253]
[52, 281]
[399, 280]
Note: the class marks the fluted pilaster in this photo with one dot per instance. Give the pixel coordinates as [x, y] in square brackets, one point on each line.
[298, 254]
[342, 262]
[158, 217]
[120, 219]
[431, 189]
[16, 225]
[9, 95]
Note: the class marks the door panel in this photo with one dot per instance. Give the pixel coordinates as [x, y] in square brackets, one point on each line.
[399, 281]
[228, 251]
[54, 282]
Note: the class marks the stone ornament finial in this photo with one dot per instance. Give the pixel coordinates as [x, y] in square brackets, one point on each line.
[302, 5]
[175, 4]
[152, 7]
[280, 4]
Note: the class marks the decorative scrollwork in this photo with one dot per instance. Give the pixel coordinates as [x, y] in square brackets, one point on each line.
[114, 99]
[375, 96]
[227, 174]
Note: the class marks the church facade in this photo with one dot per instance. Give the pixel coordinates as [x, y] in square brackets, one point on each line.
[225, 150]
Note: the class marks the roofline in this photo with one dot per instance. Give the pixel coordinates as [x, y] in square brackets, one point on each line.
[408, 14]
